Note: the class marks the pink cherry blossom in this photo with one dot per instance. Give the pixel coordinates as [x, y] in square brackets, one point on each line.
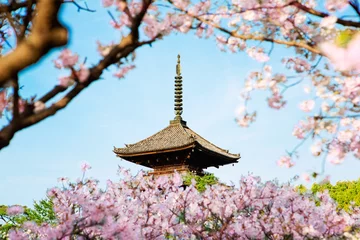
[343, 59]
[123, 71]
[336, 154]
[276, 101]
[14, 210]
[38, 106]
[65, 81]
[144, 207]
[258, 54]
[83, 73]
[3, 101]
[306, 177]
[107, 3]
[333, 5]
[57, 64]
[316, 148]
[328, 22]
[68, 59]
[345, 136]
[85, 166]
[22, 105]
[63, 179]
[307, 106]
[285, 161]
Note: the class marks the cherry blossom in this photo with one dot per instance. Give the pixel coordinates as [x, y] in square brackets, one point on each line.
[285, 161]
[306, 177]
[83, 73]
[307, 106]
[343, 58]
[3, 101]
[67, 59]
[65, 81]
[328, 22]
[144, 207]
[85, 166]
[38, 106]
[333, 5]
[14, 210]
[121, 73]
[107, 3]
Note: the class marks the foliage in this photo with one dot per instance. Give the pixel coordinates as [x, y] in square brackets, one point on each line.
[201, 181]
[42, 212]
[155, 208]
[346, 194]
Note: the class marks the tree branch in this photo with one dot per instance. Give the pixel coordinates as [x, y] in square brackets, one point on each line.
[322, 15]
[47, 33]
[257, 37]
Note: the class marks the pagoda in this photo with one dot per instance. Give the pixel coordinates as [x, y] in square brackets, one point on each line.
[176, 147]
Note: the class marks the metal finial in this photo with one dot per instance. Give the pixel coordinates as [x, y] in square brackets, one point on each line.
[178, 91]
[178, 66]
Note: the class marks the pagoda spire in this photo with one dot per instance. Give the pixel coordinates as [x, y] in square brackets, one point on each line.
[178, 91]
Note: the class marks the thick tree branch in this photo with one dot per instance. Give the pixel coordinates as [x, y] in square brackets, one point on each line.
[258, 37]
[322, 15]
[47, 33]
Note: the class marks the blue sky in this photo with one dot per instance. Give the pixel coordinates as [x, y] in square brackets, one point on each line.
[112, 112]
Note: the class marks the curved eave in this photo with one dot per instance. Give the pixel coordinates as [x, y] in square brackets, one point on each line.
[118, 152]
[228, 158]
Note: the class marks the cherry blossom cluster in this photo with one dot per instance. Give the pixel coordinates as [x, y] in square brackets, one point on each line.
[332, 90]
[144, 207]
[68, 60]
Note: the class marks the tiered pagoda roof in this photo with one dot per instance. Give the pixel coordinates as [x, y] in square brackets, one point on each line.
[176, 146]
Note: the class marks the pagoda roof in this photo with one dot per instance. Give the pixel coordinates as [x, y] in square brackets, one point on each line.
[177, 136]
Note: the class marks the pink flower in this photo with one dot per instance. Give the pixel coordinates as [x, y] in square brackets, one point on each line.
[83, 73]
[336, 154]
[135, 208]
[276, 101]
[85, 166]
[22, 105]
[285, 161]
[328, 22]
[307, 106]
[57, 64]
[68, 59]
[334, 5]
[343, 59]
[316, 149]
[107, 3]
[246, 119]
[258, 54]
[63, 179]
[14, 210]
[65, 81]
[38, 106]
[298, 64]
[3, 100]
[345, 136]
[121, 73]
[306, 177]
